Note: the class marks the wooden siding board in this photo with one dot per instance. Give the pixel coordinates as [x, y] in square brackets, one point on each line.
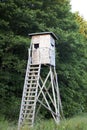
[45, 53]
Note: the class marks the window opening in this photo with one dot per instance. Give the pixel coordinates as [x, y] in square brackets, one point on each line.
[36, 46]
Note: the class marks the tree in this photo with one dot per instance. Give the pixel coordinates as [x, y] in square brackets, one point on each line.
[82, 24]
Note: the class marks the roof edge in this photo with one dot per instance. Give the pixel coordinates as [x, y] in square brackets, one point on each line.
[42, 33]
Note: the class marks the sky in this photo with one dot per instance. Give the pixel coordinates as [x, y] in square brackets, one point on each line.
[81, 6]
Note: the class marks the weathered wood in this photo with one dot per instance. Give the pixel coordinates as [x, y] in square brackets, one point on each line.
[42, 51]
[28, 104]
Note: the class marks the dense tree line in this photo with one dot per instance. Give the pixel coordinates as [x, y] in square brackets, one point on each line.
[20, 17]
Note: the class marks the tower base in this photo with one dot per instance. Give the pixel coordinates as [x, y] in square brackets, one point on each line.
[40, 89]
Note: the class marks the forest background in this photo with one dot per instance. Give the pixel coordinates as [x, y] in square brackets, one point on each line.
[18, 18]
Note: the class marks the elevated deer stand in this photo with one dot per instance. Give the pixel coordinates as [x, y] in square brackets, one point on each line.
[41, 84]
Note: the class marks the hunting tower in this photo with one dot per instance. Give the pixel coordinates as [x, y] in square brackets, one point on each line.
[41, 85]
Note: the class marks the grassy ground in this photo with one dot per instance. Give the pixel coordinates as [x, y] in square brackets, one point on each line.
[75, 123]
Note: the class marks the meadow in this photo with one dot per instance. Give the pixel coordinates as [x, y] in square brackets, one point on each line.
[75, 123]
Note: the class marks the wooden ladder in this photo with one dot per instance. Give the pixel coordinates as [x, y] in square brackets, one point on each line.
[29, 97]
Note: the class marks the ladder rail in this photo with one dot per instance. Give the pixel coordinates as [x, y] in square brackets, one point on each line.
[36, 94]
[32, 93]
[25, 82]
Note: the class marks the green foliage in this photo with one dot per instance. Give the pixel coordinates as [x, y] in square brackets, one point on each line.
[75, 123]
[5, 125]
[12, 71]
[71, 70]
[83, 24]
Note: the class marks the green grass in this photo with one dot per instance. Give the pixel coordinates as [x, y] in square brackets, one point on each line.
[5, 125]
[75, 123]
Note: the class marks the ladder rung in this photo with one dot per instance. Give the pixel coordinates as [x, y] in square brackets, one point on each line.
[35, 76]
[30, 96]
[31, 88]
[27, 118]
[30, 83]
[31, 68]
[28, 91]
[33, 72]
[27, 96]
[32, 80]
[30, 113]
[27, 101]
[30, 100]
[31, 93]
[28, 104]
[28, 109]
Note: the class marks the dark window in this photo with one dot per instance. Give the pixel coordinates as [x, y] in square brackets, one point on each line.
[36, 45]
